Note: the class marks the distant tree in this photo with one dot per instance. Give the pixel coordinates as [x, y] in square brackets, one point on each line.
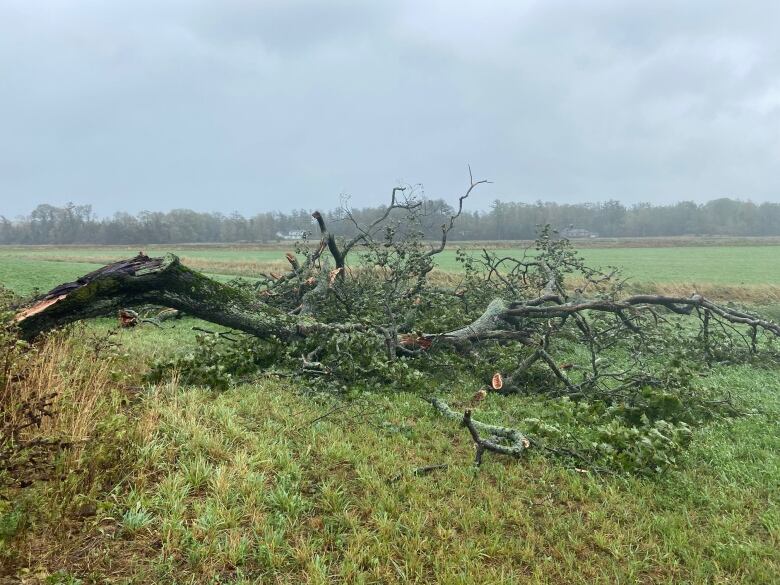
[505, 220]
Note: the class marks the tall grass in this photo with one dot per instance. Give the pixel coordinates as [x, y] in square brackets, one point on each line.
[59, 459]
[79, 380]
[261, 484]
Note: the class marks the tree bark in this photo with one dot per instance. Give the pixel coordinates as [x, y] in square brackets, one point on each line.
[162, 281]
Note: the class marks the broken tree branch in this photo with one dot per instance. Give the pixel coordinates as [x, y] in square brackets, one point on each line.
[503, 440]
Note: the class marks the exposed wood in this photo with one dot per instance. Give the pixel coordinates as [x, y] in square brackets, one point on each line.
[162, 281]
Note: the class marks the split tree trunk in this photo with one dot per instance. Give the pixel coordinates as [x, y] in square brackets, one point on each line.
[161, 281]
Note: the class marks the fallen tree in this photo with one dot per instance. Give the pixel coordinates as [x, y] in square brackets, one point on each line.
[390, 308]
[165, 281]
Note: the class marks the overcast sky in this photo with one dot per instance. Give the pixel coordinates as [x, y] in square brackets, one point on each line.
[250, 106]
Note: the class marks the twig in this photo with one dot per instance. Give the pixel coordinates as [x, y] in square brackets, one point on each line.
[517, 442]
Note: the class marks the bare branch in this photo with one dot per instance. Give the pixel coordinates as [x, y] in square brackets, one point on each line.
[447, 227]
[503, 440]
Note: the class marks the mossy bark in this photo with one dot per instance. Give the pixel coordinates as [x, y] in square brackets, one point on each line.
[162, 281]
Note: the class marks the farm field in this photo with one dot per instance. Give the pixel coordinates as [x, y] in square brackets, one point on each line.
[385, 296]
[742, 263]
[262, 482]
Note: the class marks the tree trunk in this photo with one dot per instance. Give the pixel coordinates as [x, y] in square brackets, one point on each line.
[161, 281]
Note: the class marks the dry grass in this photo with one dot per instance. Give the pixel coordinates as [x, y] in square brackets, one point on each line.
[80, 382]
[75, 452]
[748, 294]
[229, 267]
[751, 294]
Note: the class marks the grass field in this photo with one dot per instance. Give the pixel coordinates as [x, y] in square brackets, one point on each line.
[262, 483]
[22, 268]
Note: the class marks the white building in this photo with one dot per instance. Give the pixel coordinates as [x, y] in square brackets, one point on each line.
[291, 235]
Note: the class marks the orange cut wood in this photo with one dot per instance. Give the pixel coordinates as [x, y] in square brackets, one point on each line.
[414, 340]
[497, 382]
[127, 318]
[37, 308]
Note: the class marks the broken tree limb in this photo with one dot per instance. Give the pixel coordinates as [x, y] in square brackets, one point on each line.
[537, 308]
[166, 282]
[494, 323]
[503, 320]
[163, 281]
[446, 228]
[503, 440]
[366, 234]
[131, 318]
[330, 240]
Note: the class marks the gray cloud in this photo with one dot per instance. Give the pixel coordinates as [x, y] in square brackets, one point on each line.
[261, 105]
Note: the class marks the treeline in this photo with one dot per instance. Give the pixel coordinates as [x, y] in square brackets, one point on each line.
[77, 224]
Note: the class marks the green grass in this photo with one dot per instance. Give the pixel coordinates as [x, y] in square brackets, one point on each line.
[248, 485]
[726, 265]
[710, 264]
[25, 275]
[267, 483]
